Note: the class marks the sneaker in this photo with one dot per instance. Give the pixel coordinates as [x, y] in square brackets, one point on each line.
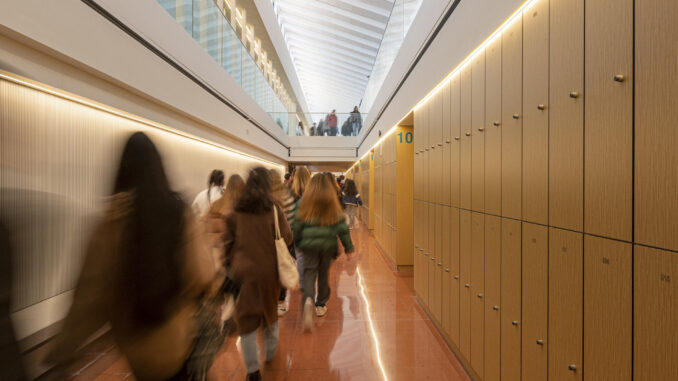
[255, 376]
[320, 311]
[308, 314]
[282, 309]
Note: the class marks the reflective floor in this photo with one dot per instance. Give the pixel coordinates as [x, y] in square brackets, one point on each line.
[374, 330]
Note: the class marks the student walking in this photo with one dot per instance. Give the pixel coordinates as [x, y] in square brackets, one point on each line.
[300, 180]
[352, 201]
[282, 196]
[318, 222]
[249, 246]
[204, 199]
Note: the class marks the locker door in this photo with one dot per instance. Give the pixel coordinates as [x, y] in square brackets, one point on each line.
[454, 271]
[417, 265]
[433, 287]
[492, 297]
[655, 292]
[447, 271]
[478, 133]
[465, 146]
[511, 260]
[566, 302]
[608, 119]
[535, 111]
[446, 142]
[437, 264]
[511, 120]
[656, 91]
[477, 292]
[566, 117]
[607, 309]
[492, 128]
[455, 131]
[465, 281]
[535, 302]
[426, 252]
[438, 151]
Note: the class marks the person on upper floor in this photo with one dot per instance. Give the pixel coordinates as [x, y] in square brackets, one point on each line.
[300, 129]
[332, 123]
[356, 121]
[204, 199]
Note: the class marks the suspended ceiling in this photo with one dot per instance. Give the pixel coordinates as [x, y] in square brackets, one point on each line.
[333, 44]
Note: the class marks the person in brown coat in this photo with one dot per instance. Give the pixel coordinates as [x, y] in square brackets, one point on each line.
[249, 246]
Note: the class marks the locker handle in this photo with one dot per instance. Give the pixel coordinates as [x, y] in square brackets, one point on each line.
[467, 285]
[481, 129]
[456, 277]
[574, 94]
[433, 258]
[456, 138]
[426, 254]
[496, 123]
[619, 78]
[541, 107]
[516, 116]
[433, 147]
[447, 270]
[480, 295]
[426, 149]
[468, 133]
[540, 342]
[440, 264]
[416, 246]
[447, 141]
[515, 322]
[572, 367]
[496, 308]
[440, 144]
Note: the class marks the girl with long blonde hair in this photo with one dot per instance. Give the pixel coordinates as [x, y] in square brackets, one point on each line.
[318, 222]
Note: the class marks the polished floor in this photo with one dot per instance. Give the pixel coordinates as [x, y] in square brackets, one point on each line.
[374, 330]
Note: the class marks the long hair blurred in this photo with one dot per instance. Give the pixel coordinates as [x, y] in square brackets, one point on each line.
[231, 195]
[301, 178]
[320, 204]
[256, 197]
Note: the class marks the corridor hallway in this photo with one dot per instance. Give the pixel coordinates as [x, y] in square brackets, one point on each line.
[374, 330]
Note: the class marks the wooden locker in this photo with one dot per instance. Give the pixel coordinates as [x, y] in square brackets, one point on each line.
[608, 159]
[465, 146]
[535, 111]
[492, 128]
[446, 265]
[447, 147]
[433, 286]
[455, 141]
[511, 281]
[655, 298]
[415, 249]
[492, 298]
[478, 133]
[608, 311]
[477, 292]
[535, 302]
[438, 149]
[565, 305]
[455, 274]
[566, 115]
[512, 120]
[425, 251]
[437, 263]
[656, 92]
[465, 281]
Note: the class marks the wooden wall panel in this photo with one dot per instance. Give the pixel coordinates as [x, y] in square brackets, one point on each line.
[477, 292]
[455, 274]
[465, 281]
[446, 177]
[565, 305]
[656, 156]
[465, 146]
[511, 295]
[436, 264]
[534, 302]
[493, 128]
[655, 300]
[535, 111]
[446, 251]
[566, 115]
[492, 298]
[478, 133]
[608, 298]
[455, 142]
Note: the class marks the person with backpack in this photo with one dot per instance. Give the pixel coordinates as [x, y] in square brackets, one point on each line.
[352, 201]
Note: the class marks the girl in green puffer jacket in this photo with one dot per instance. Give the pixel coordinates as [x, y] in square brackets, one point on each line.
[318, 222]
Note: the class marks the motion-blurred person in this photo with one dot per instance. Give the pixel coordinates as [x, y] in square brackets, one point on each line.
[352, 201]
[300, 129]
[284, 199]
[219, 209]
[145, 272]
[300, 180]
[287, 178]
[317, 224]
[356, 121]
[321, 130]
[249, 245]
[335, 185]
[313, 129]
[346, 128]
[332, 123]
[11, 365]
[204, 199]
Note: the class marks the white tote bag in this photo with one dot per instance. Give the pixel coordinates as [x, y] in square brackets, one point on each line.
[287, 266]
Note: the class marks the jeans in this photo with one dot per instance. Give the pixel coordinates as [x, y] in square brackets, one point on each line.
[333, 131]
[250, 348]
[317, 265]
[351, 212]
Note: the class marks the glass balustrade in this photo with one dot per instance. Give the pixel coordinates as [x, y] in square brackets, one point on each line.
[327, 124]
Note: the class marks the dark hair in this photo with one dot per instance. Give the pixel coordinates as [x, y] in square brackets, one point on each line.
[151, 258]
[350, 188]
[216, 178]
[256, 197]
[287, 176]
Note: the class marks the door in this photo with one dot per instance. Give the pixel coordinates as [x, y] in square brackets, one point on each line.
[465, 281]
[478, 133]
[492, 298]
[425, 251]
[437, 264]
[455, 142]
[608, 297]
[465, 146]
[608, 114]
[512, 120]
[655, 337]
[535, 302]
[493, 128]
[433, 287]
[510, 307]
[535, 111]
[566, 303]
[446, 267]
[455, 272]
[477, 292]
[447, 146]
